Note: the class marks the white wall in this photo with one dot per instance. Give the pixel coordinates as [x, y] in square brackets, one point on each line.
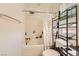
[11, 32]
[34, 22]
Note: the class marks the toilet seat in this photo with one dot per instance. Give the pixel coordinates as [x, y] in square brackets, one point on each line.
[50, 52]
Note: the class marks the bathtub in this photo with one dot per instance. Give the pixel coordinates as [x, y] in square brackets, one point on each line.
[33, 50]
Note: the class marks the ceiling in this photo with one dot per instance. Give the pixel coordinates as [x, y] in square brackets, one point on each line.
[42, 7]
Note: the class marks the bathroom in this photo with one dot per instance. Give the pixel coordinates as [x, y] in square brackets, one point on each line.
[26, 29]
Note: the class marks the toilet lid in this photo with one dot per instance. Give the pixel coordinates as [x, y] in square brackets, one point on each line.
[50, 52]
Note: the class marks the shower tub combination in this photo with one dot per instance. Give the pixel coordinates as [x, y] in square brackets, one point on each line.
[39, 50]
[33, 50]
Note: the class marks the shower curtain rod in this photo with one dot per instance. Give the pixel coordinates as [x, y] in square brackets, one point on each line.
[39, 11]
[10, 17]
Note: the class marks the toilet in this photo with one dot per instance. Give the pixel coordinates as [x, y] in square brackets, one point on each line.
[51, 52]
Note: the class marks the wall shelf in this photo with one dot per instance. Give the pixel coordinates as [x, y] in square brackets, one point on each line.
[67, 20]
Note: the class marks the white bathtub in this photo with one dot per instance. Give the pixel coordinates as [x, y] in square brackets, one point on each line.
[33, 50]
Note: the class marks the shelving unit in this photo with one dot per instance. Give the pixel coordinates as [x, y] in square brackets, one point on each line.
[73, 29]
[67, 31]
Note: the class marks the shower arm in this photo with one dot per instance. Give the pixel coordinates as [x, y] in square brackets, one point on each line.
[10, 17]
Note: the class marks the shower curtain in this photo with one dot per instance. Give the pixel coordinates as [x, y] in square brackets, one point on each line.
[47, 29]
